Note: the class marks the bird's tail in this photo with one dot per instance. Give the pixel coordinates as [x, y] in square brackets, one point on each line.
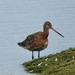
[19, 44]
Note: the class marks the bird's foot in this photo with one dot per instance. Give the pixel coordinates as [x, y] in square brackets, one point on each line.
[32, 57]
[38, 55]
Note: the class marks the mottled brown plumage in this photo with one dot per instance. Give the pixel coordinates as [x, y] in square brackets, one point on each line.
[39, 40]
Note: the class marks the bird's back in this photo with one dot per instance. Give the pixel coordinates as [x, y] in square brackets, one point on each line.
[35, 42]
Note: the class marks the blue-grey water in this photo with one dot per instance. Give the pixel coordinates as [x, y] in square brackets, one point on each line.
[19, 18]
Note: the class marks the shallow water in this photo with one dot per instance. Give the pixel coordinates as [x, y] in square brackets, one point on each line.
[19, 19]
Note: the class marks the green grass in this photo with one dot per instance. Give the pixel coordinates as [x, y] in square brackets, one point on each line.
[62, 63]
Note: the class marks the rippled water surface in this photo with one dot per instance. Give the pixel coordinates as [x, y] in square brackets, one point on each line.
[19, 18]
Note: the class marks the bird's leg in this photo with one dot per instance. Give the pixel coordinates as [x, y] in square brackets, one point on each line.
[38, 54]
[32, 54]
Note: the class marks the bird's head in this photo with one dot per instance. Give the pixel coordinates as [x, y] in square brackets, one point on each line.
[48, 25]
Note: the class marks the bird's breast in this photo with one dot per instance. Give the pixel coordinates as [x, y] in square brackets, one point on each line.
[46, 43]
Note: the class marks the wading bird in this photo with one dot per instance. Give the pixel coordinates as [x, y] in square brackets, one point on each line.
[39, 40]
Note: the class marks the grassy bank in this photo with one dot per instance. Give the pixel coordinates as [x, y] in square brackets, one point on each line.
[62, 63]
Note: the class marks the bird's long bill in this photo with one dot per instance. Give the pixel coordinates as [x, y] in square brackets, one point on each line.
[57, 32]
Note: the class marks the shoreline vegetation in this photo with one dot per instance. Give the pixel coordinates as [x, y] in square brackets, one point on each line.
[62, 63]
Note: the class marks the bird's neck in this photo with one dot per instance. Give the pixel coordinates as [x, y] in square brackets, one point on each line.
[46, 32]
